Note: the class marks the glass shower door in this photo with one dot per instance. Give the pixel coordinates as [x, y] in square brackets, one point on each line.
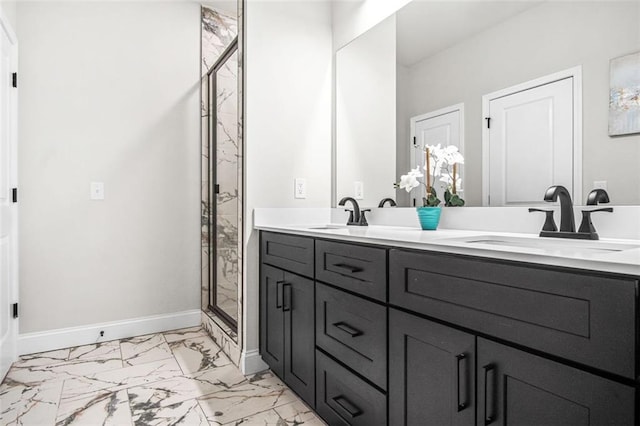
[225, 168]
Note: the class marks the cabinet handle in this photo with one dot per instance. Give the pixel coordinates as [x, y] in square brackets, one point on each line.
[279, 296]
[353, 332]
[350, 268]
[488, 417]
[461, 405]
[286, 297]
[351, 409]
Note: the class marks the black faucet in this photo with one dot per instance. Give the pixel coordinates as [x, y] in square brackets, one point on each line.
[354, 215]
[385, 200]
[567, 223]
[597, 196]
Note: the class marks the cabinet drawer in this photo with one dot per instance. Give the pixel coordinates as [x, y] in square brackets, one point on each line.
[360, 269]
[354, 330]
[342, 398]
[578, 316]
[288, 252]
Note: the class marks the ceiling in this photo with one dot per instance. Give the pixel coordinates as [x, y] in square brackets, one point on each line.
[426, 27]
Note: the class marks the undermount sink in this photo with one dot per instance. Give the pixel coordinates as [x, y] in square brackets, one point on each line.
[548, 244]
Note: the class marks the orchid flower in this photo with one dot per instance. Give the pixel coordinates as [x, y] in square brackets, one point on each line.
[452, 155]
[410, 180]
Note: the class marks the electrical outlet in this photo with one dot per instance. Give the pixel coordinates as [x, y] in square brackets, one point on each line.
[300, 188]
[358, 189]
[97, 191]
[600, 184]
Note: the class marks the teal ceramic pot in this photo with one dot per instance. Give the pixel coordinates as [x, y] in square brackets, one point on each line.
[429, 217]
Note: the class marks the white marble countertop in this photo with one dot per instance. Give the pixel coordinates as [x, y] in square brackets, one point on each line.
[606, 255]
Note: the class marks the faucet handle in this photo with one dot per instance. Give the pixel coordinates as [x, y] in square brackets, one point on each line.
[363, 219]
[586, 227]
[549, 223]
[597, 196]
[386, 200]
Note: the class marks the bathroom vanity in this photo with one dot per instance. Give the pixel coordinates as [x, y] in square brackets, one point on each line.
[375, 327]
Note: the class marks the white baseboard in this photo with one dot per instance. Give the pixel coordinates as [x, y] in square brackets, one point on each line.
[30, 343]
[251, 362]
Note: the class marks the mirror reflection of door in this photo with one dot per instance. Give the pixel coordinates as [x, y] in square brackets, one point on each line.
[444, 127]
[8, 208]
[225, 169]
[529, 142]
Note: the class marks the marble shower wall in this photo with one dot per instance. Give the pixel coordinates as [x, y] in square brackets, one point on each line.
[218, 32]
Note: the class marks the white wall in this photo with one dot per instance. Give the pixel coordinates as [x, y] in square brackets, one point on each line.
[520, 49]
[366, 115]
[8, 11]
[108, 92]
[403, 132]
[352, 18]
[287, 120]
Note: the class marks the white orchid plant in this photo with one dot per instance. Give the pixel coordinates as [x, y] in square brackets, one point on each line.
[442, 163]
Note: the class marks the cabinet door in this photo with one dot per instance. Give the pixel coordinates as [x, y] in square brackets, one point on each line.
[299, 341]
[518, 388]
[431, 372]
[272, 318]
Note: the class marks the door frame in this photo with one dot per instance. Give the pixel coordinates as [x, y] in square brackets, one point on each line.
[13, 181]
[433, 114]
[576, 74]
[229, 51]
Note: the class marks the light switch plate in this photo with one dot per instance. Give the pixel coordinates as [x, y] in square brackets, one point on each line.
[600, 184]
[358, 189]
[97, 190]
[300, 188]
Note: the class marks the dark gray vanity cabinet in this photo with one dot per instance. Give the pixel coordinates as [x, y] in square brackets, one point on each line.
[370, 335]
[343, 398]
[353, 330]
[518, 388]
[351, 333]
[287, 339]
[581, 317]
[431, 372]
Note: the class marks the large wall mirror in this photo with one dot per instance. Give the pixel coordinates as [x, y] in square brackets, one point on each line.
[437, 57]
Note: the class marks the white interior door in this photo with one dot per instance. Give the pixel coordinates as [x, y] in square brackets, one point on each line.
[444, 127]
[529, 143]
[8, 211]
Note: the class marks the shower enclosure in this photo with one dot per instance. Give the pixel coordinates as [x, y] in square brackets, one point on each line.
[221, 170]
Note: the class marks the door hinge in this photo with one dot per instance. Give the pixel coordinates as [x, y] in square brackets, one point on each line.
[14, 195]
[488, 122]
[414, 141]
[216, 188]
[14, 79]
[15, 310]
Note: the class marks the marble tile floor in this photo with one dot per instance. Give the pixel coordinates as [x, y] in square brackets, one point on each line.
[178, 377]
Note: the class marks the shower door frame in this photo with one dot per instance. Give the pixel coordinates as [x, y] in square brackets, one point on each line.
[214, 188]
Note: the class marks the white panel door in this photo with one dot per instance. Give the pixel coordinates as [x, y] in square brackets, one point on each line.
[442, 127]
[8, 226]
[530, 144]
